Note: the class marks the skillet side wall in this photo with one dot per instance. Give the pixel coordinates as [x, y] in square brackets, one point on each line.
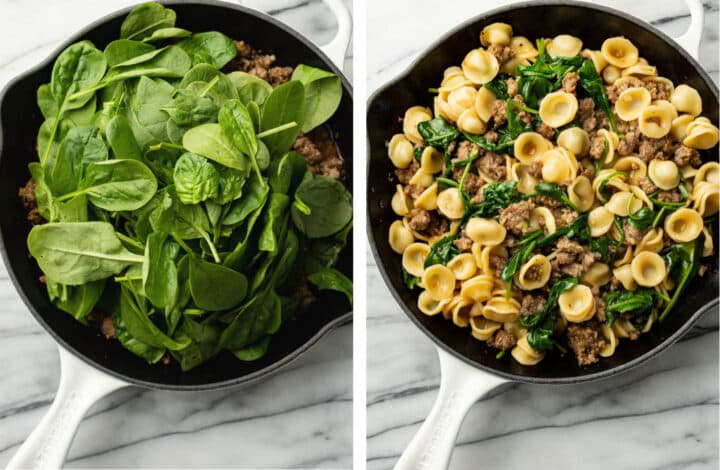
[593, 25]
[20, 119]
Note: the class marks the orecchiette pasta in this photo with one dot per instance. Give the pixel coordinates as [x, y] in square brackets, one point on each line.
[625, 190]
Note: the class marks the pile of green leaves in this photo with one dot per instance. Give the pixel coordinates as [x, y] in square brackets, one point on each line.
[540, 325]
[172, 198]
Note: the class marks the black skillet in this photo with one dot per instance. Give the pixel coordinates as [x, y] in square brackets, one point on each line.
[470, 368]
[92, 366]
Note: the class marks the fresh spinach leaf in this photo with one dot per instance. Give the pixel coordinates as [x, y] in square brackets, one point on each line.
[81, 147]
[122, 50]
[540, 325]
[286, 104]
[160, 277]
[204, 343]
[682, 262]
[196, 179]
[330, 206]
[121, 139]
[438, 132]
[556, 192]
[332, 279]
[250, 88]
[323, 93]
[442, 251]
[215, 287]
[210, 47]
[145, 19]
[209, 141]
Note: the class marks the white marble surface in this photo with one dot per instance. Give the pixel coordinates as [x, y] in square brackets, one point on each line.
[663, 415]
[300, 418]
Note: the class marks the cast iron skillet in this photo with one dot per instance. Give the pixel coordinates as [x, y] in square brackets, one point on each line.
[592, 24]
[20, 120]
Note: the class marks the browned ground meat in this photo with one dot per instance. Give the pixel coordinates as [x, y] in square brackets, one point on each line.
[501, 53]
[600, 307]
[491, 136]
[546, 201]
[572, 259]
[473, 182]
[497, 263]
[512, 86]
[108, 327]
[413, 190]
[515, 216]
[586, 341]
[597, 146]
[586, 114]
[261, 65]
[27, 196]
[629, 143]
[465, 150]
[405, 174]
[588, 171]
[658, 90]
[499, 114]
[614, 91]
[564, 216]
[626, 126]
[493, 165]
[655, 148]
[569, 82]
[522, 115]
[320, 153]
[429, 223]
[633, 235]
[687, 156]
[536, 168]
[531, 304]
[502, 340]
[546, 131]
[463, 243]
[646, 185]
[305, 293]
[669, 196]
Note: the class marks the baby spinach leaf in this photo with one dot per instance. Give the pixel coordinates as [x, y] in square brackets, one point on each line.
[161, 162]
[258, 318]
[209, 141]
[122, 50]
[172, 216]
[250, 88]
[410, 280]
[593, 85]
[230, 184]
[284, 105]
[196, 179]
[642, 219]
[81, 147]
[682, 262]
[160, 277]
[146, 18]
[168, 62]
[121, 139]
[496, 196]
[43, 196]
[206, 80]
[210, 47]
[275, 216]
[540, 325]
[323, 93]
[330, 206]
[163, 34]
[438, 132]
[117, 185]
[253, 198]
[204, 338]
[286, 173]
[215, 287]
[139, 325]
[78, 301]
[254, 351]
[332, 279]
[147, 120]
[442, 251]
[151, 354]
[498, 86]
[65, 251]
[48, 144]
[621, 301]
[238, 128]
[188, 109]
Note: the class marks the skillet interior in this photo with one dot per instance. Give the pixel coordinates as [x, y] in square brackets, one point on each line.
[20, 120]
[593, 25]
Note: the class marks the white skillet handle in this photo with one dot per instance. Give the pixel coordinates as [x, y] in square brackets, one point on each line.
[80, 387]
[460, 387]
[690, 40]
[336, 48]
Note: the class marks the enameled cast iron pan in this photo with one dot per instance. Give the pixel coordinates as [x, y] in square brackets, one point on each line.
[468, 366]
[91, 365]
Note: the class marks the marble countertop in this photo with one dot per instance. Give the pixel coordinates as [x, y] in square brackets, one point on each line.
[300, 418]
[662, 415]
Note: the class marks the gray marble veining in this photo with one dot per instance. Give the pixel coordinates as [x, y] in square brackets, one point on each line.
[299, 418]
[662, 415]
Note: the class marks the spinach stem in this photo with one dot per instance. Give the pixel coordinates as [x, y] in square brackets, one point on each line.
[276, 130]
[193, 311]
[127, 278]
[166, 145]
[182, 244]
[46, 153]
[87, 91]
[210, 84]
[130, 241]
[301, 206]
[210, 243]
[71, 195]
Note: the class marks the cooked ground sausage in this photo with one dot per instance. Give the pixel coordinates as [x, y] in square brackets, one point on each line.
[569, 82]
[429, 223]
[546, 131]
[661, 149]
[465, 150]
[572, 259]
[493, 165]
[463, 243]
[404, 175]
[633, 235]
[629, 143]
[501, 53]
[586, 114]
[503, 340]
[27, 196]
[512, 86]
[320, 153]
[646, 185]
[586, 341]
[531, 304]
[499, 114]
[659, 90]
[669, 196]
[250, 61]
[615, 90]
[687, 156]
[515, 217]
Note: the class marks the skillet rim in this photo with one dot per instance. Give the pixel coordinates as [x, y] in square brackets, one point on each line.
[575, 379]
[244, 380]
